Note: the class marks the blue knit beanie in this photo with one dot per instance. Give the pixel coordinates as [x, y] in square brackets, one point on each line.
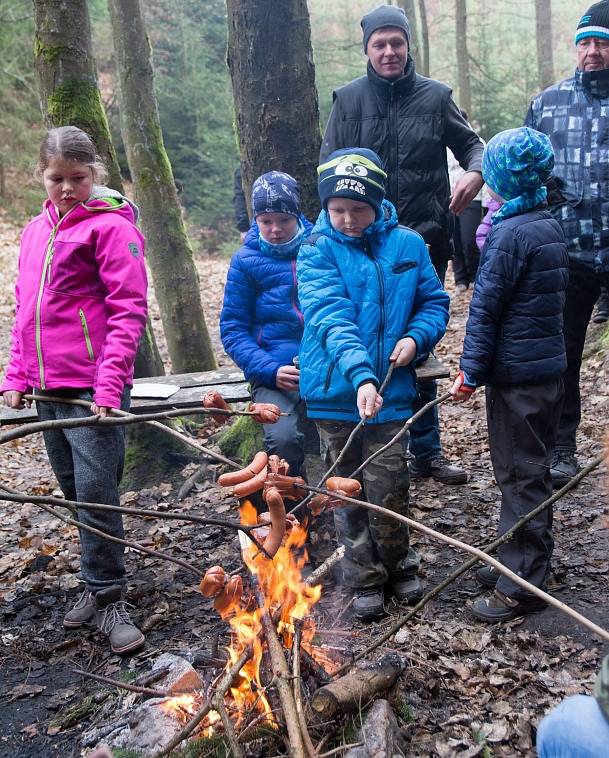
[594, 22]
[516, 161]
[355, 173]
[276, 192]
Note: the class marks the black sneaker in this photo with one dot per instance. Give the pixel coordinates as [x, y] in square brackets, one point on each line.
[499, 607]
[368, 604]
[601, 312]
[440, 468]
[564, 467]
[406, 590]
[488, 576]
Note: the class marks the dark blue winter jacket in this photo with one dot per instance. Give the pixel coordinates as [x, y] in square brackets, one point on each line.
[261, 322]
[514, 330]
[359, 297]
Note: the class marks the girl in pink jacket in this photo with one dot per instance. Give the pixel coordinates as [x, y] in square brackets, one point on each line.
[80, 313]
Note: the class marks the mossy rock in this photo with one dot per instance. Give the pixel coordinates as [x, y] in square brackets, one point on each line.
[151, 456]
[242, 439]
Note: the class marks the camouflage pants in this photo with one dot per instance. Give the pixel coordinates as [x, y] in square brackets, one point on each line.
[377, 547]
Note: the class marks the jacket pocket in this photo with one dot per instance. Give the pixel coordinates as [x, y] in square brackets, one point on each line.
[399, 268]
[85, 330]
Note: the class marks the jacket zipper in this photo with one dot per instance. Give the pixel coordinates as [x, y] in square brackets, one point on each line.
[381, 338]
[45, 275]
[393, 162]
[85, 329]
[296, 308]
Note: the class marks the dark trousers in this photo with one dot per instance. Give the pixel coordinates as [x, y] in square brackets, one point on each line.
[467, 256]
[88, 463]
[376, 547]
[582, 294]
[522, 421]
[285, 437]
[425, 440]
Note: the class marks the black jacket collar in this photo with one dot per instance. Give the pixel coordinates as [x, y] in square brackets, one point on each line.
[386, 87]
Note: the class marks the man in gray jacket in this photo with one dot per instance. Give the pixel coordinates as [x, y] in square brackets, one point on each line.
[409, 121]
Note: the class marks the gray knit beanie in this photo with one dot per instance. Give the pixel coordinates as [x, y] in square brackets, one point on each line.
[384, 15]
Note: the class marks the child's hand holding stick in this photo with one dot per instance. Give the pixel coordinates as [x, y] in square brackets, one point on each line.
[460, 391]
[369, 401]
[404, 352]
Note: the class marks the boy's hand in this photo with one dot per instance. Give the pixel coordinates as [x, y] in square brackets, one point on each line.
[404, 352]
[460, 391]
[14, 399]
[369, 402]
[287, 378]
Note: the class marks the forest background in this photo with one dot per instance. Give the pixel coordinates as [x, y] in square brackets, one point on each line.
[194, 93]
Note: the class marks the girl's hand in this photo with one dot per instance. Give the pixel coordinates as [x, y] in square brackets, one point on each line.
[459, 390]
[404, 352]
[369, 402]
[14, 399]
[100, 410]
[287, 378]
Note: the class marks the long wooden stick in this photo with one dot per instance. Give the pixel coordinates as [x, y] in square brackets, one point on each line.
[465, 567]
[126, 685]
[221, 689]
[229, 729]
[480, 555]
[73, 505]
[157, 424]
[296, 684]
[127, 543]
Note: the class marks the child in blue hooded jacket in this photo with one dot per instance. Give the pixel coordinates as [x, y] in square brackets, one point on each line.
[514, 345]
[261, 322]
[370, 296]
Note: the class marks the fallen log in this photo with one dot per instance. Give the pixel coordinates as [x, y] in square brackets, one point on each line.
[351, 692]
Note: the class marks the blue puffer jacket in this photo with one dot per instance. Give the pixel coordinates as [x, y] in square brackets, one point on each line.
[514, 330]
[359, 297]
[261, 322]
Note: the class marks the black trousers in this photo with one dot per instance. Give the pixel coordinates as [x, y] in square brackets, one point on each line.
[467, 256]
[582, 294]
[522, 421]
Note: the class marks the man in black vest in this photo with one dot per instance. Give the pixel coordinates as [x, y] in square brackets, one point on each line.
[409, 121]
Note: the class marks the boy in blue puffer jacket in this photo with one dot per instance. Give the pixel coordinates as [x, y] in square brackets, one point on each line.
[261, 323]
[514, 344]
[370, 296]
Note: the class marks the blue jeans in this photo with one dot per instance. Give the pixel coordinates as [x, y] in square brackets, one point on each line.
[88, 463]
[576, 728]
[425, 433]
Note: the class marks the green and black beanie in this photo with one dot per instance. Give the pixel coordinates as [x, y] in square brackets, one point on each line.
[353, 172]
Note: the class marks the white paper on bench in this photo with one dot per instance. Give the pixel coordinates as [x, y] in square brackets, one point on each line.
[142, 389]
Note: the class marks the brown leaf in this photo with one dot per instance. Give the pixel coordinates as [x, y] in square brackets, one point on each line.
[25, 690]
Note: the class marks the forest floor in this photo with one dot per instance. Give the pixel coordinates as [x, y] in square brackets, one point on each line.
[468, 689]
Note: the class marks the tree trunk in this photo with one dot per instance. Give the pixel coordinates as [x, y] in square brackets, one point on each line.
[175, 277]
[424, 38]
[69, 95]
[411, 15]
[465, 94]
[545, 59]
[273, 77]
[67, 78]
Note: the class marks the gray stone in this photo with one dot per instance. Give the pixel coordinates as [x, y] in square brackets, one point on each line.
[150, 728]
[181, 677]
[380, 734]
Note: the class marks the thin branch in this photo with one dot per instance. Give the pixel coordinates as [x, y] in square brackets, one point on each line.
[73, 505]
[571, 484]
[133, 545]
[126, 685]
[296, 686]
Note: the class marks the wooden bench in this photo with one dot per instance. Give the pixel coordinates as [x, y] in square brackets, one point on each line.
[229, 382]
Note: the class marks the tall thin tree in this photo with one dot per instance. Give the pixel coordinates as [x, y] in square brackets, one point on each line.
[545, 54]
[411, 15]
[273, 77]
[176, 281]
[463, 74]
[424, 38]
[69, 94]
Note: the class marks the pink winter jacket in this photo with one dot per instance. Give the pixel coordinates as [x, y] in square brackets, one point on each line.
[81, 301]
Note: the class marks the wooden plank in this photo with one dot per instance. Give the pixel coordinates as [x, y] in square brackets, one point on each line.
[230, 384]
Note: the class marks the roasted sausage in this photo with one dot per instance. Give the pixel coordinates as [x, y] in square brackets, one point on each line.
[236, 477]
[286, 485]
[349, 487]
[265, 413]
[230, 595]
[277, 511]
[213, 582]
[274, 463]
[251, 485]
[213, 399]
